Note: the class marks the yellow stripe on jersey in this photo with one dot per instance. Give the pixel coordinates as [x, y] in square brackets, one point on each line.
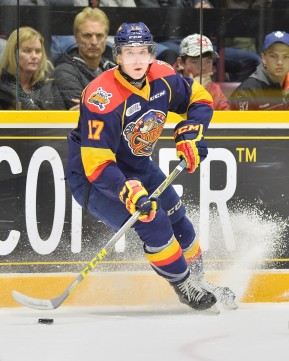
[170, 89]
[200, 94]
[144, 92]
[93, 158]
[123, 114]
[176, 118]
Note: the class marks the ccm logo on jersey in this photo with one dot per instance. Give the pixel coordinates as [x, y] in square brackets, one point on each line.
[158, 95]
[99, 98]
[133, 109]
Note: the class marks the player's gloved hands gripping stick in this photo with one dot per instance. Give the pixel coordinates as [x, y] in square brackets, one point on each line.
[135, 197]
[190, 143]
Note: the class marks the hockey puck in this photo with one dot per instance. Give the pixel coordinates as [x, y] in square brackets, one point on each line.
[46, 321]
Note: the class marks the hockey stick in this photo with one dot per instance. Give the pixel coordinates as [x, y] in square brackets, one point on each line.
[50, 304]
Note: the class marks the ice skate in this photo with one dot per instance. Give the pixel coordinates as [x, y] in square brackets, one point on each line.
[191, 294]
[224, 295]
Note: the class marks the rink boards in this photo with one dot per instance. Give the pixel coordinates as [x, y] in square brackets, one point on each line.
[138, 288]
[237, 200]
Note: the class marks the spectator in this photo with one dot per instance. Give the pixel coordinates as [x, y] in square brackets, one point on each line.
[85, 62]
[191, 65]
[28, 86]
[286, 87]
[239, 62]
[265, 89]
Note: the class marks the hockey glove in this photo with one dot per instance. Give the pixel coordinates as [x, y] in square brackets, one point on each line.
[190, 144]
[135, 197]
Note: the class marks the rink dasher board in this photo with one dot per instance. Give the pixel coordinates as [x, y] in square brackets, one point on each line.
[49, 237]
[136, 288]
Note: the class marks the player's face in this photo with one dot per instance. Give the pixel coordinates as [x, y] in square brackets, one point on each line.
[30, 56]
[276, 61]
[91, 39]
[134, 61]
[192, 66]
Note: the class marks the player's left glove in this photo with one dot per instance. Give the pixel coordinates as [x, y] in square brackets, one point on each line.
[190, 143]
[135, 197]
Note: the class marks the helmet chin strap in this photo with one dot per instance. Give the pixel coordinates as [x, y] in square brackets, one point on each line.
[139, 83]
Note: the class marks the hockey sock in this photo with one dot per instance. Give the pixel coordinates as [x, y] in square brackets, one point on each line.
[168, 261]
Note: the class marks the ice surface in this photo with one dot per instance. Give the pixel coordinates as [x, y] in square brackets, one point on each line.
[254, 332]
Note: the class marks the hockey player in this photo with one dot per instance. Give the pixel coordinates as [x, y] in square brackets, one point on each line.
[111, 174]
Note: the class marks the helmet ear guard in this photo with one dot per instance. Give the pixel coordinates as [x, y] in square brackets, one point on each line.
[133, 34]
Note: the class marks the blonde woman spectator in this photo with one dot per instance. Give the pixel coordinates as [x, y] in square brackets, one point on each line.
[29, 84]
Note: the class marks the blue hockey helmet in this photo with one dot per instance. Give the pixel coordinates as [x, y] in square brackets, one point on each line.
[133, 34]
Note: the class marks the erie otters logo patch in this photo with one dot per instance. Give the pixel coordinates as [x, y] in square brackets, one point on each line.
[143, 134]
[99, 98]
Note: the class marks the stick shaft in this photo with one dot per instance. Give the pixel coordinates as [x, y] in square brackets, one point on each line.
[50, 304]
[130, 222]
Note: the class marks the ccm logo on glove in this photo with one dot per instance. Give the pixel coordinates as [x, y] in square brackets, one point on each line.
[135, 197]
[190, 144]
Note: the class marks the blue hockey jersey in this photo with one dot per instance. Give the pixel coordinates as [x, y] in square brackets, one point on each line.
[119, 124]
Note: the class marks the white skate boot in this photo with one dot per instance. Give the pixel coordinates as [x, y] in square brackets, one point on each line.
[224, 295]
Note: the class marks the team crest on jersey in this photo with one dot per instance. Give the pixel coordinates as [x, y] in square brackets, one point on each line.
[143, 134]
[100, 98]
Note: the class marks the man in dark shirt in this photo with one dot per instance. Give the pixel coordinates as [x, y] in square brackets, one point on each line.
[77, 68]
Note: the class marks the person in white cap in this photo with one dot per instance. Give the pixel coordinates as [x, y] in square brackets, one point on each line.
[192, 64]
[267, 88]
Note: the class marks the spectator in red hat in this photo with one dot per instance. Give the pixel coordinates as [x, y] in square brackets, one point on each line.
[267, 87]
[192, 64]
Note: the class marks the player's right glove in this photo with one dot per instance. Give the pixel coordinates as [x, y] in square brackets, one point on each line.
[135, 197]
[190, 144]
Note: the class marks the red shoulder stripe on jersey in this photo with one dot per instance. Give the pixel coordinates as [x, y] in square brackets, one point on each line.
[105, 93]
[205, 101]
[159, 69]
[98, 171]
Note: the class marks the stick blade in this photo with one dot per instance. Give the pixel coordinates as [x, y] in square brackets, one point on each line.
[36, 303]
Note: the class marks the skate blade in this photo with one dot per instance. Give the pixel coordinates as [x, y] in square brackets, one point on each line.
[214, 310]
[232, 306]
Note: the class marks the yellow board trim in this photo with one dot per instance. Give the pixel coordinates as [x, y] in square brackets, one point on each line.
[135, 288]
[71, 117]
